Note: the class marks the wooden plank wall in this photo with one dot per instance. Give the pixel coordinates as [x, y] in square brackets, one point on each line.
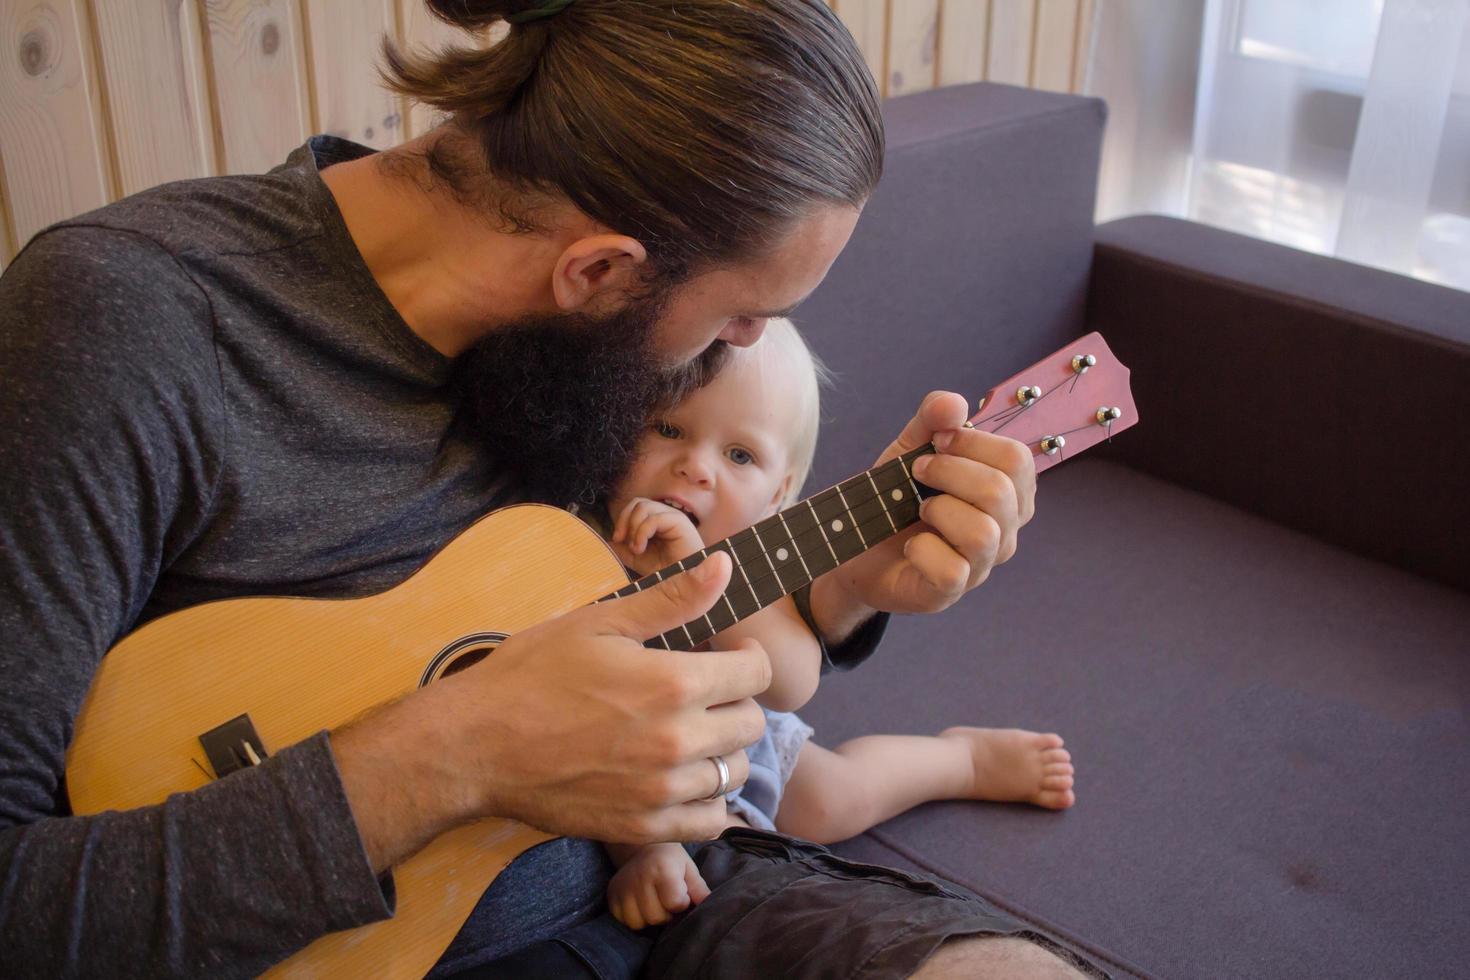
[913, 45]
[101, 98]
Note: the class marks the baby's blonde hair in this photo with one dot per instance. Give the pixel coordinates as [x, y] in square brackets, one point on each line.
[783, 341]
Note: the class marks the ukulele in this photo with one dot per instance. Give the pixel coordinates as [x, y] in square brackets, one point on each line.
[154, 723]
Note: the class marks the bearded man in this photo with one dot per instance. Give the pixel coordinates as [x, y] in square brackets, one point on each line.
[306, 382]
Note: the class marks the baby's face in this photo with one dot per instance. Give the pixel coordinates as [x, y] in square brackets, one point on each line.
[723, 455]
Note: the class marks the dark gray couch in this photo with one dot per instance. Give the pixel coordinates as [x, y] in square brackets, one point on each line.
[1248, 616]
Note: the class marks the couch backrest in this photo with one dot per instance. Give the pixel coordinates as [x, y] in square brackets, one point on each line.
[1322, 395]
[970, 262]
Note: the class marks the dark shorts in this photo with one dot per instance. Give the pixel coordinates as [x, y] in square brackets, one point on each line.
[780, 907]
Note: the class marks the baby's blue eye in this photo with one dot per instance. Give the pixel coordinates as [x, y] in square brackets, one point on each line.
[665, 429]
[741, 457]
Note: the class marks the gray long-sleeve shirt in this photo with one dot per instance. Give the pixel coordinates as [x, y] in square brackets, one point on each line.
[205, 394]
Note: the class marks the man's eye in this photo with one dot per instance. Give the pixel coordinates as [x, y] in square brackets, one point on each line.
[665, 429]
[741, 457]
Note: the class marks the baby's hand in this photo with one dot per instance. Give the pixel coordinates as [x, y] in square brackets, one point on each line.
[649, 535]
[658, 881]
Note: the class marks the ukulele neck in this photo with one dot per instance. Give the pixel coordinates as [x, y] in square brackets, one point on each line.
[785, 552]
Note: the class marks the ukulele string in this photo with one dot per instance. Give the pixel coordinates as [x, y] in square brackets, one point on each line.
[811, 539]
[1020, 410]
[799, 540]
[1080, 428]
[1017, 413]
[1006, 414]
[874, 530]
[877, 529]
[808, 542]
[1038, 451]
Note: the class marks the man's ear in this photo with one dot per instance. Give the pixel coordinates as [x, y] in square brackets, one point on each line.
[593, 269]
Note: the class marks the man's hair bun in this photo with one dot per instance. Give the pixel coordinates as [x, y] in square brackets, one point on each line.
[476, 15]
[704, 128]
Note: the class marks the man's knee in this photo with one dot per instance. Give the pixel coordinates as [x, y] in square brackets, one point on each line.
[985, 957]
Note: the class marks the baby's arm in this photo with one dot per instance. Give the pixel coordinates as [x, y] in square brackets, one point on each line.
[653, 882]
[796, 656]
[649, 535]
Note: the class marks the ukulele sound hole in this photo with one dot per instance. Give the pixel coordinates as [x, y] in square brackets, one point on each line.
[463, 653]
[466, 660]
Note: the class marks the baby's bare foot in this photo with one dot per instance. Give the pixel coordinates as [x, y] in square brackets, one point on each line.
[1016, 766]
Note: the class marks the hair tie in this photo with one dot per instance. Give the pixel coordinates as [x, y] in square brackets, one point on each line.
[547, 8]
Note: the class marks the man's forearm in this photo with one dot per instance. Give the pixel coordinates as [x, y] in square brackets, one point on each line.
[398, 771]
[222, 881]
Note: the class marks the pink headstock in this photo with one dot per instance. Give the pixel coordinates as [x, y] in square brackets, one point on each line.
[1062, 404]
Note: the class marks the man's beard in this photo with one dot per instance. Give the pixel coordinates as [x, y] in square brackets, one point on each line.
[561, 401]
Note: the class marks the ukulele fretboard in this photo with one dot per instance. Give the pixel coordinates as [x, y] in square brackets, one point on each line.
[783, 553]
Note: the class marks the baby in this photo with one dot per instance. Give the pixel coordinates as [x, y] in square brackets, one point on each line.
[729, 455]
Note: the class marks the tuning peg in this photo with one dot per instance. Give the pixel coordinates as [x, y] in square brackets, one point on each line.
[1082, 362]
[1106, 415]
[1051, 445]
[1027, 394]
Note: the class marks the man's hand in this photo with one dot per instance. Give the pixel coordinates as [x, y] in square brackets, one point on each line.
[572, 726]
[649, 535]
[658, 881]
[988, 492]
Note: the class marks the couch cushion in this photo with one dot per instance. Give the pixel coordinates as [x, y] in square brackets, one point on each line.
[1269, 734]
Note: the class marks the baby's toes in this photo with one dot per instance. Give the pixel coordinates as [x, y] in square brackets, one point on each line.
[1056, 767]
[1056, 799]
[1057, 780]
[1056, 792]
[1058, 754]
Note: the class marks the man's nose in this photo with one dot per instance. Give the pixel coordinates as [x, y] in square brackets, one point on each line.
[743, 332]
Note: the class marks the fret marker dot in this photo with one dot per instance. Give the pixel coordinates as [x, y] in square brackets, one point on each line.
[836, 525]
[898, 495]
[781, 554]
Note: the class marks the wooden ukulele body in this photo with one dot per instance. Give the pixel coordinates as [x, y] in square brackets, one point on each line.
[309, 664]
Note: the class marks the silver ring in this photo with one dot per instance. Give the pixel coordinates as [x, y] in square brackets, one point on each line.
[724, 787]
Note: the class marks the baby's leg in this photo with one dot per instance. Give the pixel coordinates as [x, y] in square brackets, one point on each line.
[836, 794]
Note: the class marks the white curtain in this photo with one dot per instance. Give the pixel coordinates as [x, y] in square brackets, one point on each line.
[1337, 126]
[1144, 59]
